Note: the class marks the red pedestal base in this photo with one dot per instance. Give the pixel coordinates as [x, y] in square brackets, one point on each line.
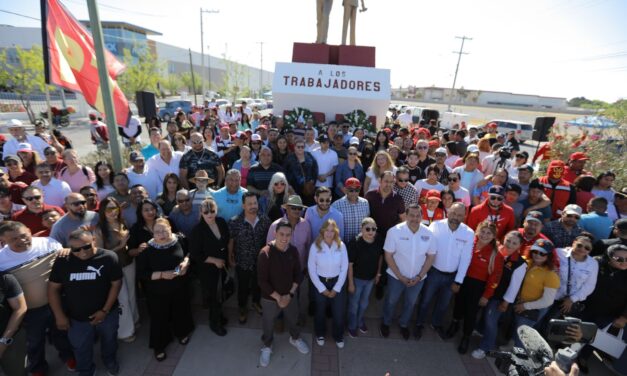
[313, 53]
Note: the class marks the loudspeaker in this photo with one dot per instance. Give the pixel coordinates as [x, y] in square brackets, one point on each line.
[541, 128]
[146, 104]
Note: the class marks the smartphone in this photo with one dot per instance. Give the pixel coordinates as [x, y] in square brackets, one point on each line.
[177, 270]
[557, 330]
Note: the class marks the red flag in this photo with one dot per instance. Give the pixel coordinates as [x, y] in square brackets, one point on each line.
[70, 60]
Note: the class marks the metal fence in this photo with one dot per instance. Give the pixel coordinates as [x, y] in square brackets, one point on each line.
[10, 102]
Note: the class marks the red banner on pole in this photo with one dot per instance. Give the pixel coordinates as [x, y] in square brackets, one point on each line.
[70, 60]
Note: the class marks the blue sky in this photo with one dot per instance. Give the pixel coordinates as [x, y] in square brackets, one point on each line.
[562, 48]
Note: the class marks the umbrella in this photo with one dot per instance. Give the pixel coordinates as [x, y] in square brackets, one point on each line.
[593, 122]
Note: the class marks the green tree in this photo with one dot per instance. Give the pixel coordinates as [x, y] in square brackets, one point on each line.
[171, 83]
[142, 72]
[234, 80]
[186, 79]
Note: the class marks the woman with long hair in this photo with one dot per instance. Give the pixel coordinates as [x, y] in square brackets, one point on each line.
[278, 193]
[328, 268]
[16, 171]
[382, 162]
[30, 159]
[163, 268]
[208, 133]
[367, 153]
[180, 143]
[112, 234]
[447, 198]
[167, 197]
[397, 157]
[514, 269]
[350, 168]
[104, 178]
[301, 169]
[142, 230]
[382, 141]
[482, 277]
[243, 164]
[539, 287]
[603, 186]
[244, 122]
[280, 153]
[208, 243]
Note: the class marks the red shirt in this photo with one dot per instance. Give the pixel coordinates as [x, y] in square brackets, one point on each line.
[26, 178]
[571, 175]
[503, 217]
[33, 220]
[525, 247]
[437, 215]
[479, 268]
[16, 189]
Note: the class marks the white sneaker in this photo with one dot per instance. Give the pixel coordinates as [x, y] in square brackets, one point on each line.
[320, 341]
[300, 345]
[478, 354]
[340, 344]
[476, 333]
[264, 358]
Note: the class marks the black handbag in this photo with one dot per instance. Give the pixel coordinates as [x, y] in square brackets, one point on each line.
[227, 282]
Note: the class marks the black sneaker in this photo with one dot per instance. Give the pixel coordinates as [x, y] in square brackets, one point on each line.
[418, 332]
[384, 330]
[405, 333]
[441, 332]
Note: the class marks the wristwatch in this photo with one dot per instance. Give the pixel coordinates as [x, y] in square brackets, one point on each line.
[6, 340]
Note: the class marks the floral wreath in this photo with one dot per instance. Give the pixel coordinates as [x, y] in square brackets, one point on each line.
[359, 119]
[298, 113]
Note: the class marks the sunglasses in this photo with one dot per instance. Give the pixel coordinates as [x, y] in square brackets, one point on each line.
[50, 153]
[402, 180]
[183, 200]
[78, 203]
[579, 245]
[111, 210]
[295, 208]
[89, 195]
[619, 259]
[497, 198]
[422, 148]
[572, 216]
[352, 153]
[83, 248]
[354, 190]
[453, 179]
[324, 200]
[300, 147]
[208, 211]
[534, 252]
[196, 142]
[370, 229]
[279, 183]
[31, 198]
[440, 155]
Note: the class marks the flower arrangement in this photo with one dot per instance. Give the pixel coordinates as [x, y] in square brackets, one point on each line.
[296, 115]
[359, 119]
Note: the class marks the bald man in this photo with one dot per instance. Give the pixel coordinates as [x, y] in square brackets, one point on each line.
[77, 215]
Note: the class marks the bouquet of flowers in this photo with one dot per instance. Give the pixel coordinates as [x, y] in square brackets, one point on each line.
[298, 114]
[359, 119]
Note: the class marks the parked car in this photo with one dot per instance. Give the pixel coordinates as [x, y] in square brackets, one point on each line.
[222, 103]
[449, 119]
[260, 103]
[524, 131]
[426, 114]
[249, 101]
[168, 110]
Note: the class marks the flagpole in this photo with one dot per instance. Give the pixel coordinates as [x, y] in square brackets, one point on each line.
[105, 88]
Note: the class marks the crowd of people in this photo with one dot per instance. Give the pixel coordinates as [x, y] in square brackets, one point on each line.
[298, 221]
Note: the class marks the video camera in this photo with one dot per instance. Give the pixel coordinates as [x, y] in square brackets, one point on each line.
[537, 354]
[505, 153]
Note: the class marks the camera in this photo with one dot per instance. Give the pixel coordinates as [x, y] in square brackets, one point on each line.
[505, 153]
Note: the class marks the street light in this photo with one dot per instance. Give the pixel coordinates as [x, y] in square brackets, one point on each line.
[202, 51]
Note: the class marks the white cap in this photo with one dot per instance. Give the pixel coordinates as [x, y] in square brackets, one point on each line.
[472, 149]
[354, 141]
[14, 123]
[440, 150]
[255, 137]
[93, 112]
[24, 146]
[573, 209]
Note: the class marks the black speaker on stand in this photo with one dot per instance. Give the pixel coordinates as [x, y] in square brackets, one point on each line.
[541, 130]
[146, 104]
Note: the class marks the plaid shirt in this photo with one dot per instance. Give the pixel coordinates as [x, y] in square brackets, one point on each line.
[560, 237]
[409, 194]
[353, 214]
[248, 239]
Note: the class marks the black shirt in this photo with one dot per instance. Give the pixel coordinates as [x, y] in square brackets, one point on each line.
[161, 258]
[365, 257]
[609, 298]
[203, 243]
[426, 163]
[86, 283]
[415, 174]
[9, 289]
[259, 177]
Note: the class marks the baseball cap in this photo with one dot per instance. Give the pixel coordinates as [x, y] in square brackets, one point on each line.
[352, 183]
[525, 167]
[492, 125]
[14, 123]
[136, 156]
[543, 245]
[432, 194]
[261, 126]
[496, 190]
[573, 209]
[323, 138]
[579, 156]
[472, 149]
[534, 216]
[440, 150]
[354, 141]
[24, 147]
[621, 194]
[255, 137]
[11, 158]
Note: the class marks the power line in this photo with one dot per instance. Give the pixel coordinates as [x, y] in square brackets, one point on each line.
[459, 58]
[19, 14]
[121, 10]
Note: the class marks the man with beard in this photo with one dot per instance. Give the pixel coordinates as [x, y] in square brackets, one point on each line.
[559, 190]
[200, 158]
[31, 215]
[129, 213]
[319, 213]
[77, 216]
[562, 232]
[495, 210]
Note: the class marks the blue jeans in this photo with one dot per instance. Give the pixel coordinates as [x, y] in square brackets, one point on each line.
[82, 335]
[358, 302]
[437, 285]
[37, 322]
[395, 289]
[337, 310]
[491, 316]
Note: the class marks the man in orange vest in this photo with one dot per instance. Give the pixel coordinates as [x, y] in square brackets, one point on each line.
[559, 190]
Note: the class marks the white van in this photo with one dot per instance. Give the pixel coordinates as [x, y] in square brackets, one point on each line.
[426, 114]
[524, 131]
[448, 119]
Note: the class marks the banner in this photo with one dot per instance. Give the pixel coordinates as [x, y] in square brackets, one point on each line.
[70, 60]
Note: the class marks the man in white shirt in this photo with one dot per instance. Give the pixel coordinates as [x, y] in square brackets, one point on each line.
[167, 161]
[139, 174]
[453, 244]
[18, 130]
[410, 249]
[55, 190]
[405, 119]
[327, 162]
[311, 144]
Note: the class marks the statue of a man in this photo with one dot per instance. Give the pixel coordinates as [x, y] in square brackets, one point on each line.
[323, 10]
[350, 16]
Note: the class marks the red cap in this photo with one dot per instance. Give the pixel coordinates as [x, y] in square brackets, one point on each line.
[352, 183]
[557, 163]
[579, 156]
[434, 143]
[492, 125]
[425, 131]
[433, 194]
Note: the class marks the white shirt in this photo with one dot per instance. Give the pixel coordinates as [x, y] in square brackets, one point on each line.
[405, 119]
[328, 262]
[40, 247]
[409, 249]
[453, 248]
[313, 147]
[148, 180]
[37, 143]
[134, 124]
[462, 195]
[422, 184]
[160, 168]
[515, 282]
[450, 161]
[374, 180]
[54, 192]
[326, 162]
[104, 191]
[583, 276]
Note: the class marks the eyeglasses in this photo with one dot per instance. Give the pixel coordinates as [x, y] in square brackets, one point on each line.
[196, 142]
[352, 153]
[279, 183]
[112, 209]
[182, 201]
[50, 153]
[497, 198]
[89, 195]
[370, 229]
[440, 155]
[354, 190]
[453, 179]
[572, 216]
[295, 208]
[579, 245]
[422, 148]
[83, 248]
[300, 146]
[538, 253]
[402, 180]
[208, 211]
[324, 200]
[78, 203]
[619, 259]
[31, 198]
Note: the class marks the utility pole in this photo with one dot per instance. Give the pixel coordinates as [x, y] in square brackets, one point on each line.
[191, 67]
[459, 58]
[260, 70]
[202, 52]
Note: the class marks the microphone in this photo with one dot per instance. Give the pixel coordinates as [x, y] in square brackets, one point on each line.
[537, 348]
